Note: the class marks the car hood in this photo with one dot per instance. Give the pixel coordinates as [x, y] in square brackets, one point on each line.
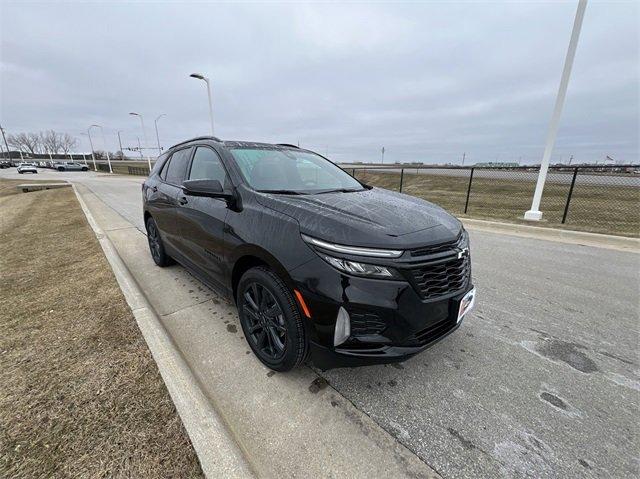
[373, 218]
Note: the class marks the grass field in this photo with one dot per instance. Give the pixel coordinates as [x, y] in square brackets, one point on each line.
[602, 209]
[81, 395]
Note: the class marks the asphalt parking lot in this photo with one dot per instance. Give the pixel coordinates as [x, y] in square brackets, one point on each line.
[541, 380]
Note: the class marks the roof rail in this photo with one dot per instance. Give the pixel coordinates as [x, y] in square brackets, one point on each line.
[287, 144]
[209, 137]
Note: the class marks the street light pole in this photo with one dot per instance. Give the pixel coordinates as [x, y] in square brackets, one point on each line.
[534, 214]
[139, 148]
[93, 155]
[144, 134]
[120, 143]
[199, 76]
[157, 135]
[106, 150]
[5, 142]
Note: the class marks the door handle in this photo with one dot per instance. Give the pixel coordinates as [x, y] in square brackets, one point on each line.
[183, 200]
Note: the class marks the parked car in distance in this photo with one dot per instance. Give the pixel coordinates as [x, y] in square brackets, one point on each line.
[5, 164]
[27, 168]
[319, 264]
[70, 166]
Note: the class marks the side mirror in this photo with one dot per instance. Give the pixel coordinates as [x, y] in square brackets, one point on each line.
[210, 188]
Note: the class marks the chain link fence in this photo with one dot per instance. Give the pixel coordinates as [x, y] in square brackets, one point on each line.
[603, 199]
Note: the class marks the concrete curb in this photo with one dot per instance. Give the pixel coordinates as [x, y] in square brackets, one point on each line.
[620, 243]
[217, 450]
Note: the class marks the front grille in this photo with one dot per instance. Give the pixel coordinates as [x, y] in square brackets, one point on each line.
[439, 279]
[364, 324]
[458, 243]
[433, 332]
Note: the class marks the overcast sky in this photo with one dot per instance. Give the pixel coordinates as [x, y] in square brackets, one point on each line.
[427, 80]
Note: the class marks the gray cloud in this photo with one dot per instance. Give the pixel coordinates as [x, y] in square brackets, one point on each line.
[428, 81]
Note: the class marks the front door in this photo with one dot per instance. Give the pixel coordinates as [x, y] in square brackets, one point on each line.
[201, 220]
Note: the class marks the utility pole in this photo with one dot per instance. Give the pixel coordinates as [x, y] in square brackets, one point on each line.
[464, 155]
[383, 155]
[534, 214]
[570, 160]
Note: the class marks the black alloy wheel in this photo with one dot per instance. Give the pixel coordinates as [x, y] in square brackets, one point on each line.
[156, 247]
[270, 319]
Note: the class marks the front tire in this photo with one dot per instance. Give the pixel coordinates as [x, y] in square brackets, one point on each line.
[156, 247]
[271, 320]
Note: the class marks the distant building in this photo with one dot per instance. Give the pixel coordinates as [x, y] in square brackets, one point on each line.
[493, 164]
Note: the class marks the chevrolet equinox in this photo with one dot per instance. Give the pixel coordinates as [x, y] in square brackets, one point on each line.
[319, 264]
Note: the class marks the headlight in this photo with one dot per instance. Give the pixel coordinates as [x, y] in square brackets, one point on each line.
[353, 250]
[359, 269]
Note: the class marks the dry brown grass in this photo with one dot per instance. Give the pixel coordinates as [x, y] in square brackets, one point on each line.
[601, 209]
[81, 395]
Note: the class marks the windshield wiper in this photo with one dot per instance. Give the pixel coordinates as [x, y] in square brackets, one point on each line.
[282, 192]
[339, 190]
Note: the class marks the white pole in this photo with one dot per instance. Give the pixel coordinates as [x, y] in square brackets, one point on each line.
[84, 157]
[157, 135]
[93, 156]
[210, 106]
[200, 76]
[534, 214]
[106, 149]
[144, 134]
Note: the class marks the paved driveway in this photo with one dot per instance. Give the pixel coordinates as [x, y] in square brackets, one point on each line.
[542, 380]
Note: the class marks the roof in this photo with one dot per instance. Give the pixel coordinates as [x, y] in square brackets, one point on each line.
[239, 144]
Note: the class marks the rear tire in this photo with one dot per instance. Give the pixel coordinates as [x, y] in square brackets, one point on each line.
[271, 320]
[156, 247]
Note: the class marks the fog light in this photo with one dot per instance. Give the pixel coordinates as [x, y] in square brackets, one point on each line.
[343, 327]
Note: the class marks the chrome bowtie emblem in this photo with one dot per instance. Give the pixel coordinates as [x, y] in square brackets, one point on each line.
[463, 252]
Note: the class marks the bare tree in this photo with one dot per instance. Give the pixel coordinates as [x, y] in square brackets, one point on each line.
[32, 142]
[51, 141]
[67, 142]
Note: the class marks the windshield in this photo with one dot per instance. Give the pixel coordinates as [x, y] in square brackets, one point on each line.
[291, 171]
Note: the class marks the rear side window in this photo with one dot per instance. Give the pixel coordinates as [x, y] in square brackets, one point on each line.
[176, 171]
[159, 164]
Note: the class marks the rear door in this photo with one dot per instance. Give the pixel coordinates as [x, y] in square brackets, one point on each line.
[165, 197]
[201, 220]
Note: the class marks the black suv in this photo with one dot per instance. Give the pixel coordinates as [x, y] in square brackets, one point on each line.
[317, 262]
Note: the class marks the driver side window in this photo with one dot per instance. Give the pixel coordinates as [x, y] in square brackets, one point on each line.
[206, 165]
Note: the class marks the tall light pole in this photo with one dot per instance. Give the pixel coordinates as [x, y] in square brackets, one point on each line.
[382, 155]
[157, 135]
[106, 150]
[120, 143]
[534, 214]
[93, 155]
[199, 76]
[5, 142]
[144, 135]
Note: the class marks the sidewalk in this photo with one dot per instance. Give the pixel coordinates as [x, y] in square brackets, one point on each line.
[257, 421]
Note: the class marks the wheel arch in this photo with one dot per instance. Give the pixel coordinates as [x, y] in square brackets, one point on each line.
[251, 256]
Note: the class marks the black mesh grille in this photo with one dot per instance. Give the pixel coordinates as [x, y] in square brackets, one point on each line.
[438, 279]
[363, 324]
[439, 248]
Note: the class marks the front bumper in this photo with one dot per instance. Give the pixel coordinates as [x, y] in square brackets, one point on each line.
[390, 321]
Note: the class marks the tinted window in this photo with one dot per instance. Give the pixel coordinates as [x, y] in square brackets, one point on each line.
[159, 164]
[177, 168]
[206, 165]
